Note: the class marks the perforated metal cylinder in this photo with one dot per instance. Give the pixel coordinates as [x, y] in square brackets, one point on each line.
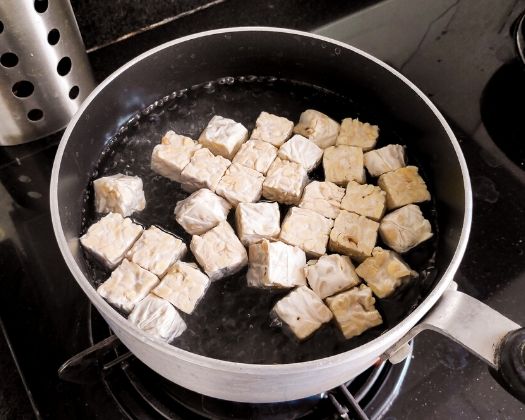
[44, 70]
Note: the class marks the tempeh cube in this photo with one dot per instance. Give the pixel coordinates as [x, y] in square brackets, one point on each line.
[405, 228]
[364, 199]
[284, 182]
[317, 127]
[356, 133]
[323, 198]
[219, 252]
[272, 129]
[303, 311]
[173, 139]
[157, 318]
[306, 229]
[171, 156]
[119, 194]
[204, 171]
[183, 286]
[223, 136]
[156, 250]
[302, 151]
[331, 274]
[201, 211]
[110, 238]
[384, 272]
[275, 264]
[257, 221]
[127, 285]
[353, 235]
[343, 164]
[240, 184]
[403, 186]
[354, 311]
[257, 155]
[386, 159]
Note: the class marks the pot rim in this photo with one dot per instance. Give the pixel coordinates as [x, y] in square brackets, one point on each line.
[373, 346]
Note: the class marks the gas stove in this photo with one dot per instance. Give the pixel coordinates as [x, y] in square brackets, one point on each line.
[461, 54]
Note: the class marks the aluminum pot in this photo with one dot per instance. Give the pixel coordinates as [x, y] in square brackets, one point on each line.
[323, 62]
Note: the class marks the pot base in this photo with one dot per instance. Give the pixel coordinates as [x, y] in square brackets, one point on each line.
[142, 393]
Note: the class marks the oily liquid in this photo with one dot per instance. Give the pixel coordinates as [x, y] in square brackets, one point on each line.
[232, 322]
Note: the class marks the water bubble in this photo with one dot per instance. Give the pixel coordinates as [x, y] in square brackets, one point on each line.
[34, 194]
[251, 78]
[230, 80]
[337, 51]
[155, 117]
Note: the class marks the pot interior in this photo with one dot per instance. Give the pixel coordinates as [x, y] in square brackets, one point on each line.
[238, 75]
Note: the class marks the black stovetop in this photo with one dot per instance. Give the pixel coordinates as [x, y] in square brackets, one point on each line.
[459, 52]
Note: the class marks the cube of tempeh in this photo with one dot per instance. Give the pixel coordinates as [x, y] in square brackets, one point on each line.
[353, 235]
[403, 186]
[158, 318]
[323, 198]
[174, 139]
[257, 221]
[284, 182]
[156, 250]
[331, 274]
[386, 159]
[354, 311]
[240, 184]
[384, 272]
[257, 155]
[171, 156]
[356, 133]
[272, 129]
[201, 211]
[303, 311]
[219, 252]
[110, 238]
[204, 171]
[364, 199]
[306, 229]
[302, 151]
[119, 194]
[405, 228]
[275, 264]
[317, 127]
[183, 286]
[127, 285]
[343, 164]
[223, 136]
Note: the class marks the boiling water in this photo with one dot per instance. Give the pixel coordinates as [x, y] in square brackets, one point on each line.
[232, 321]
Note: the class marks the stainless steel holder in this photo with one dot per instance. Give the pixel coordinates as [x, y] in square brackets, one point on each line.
[44, 70]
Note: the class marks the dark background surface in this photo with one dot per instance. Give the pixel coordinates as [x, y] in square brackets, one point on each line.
[459, 52]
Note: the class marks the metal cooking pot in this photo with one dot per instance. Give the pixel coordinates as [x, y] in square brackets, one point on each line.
[336, 66]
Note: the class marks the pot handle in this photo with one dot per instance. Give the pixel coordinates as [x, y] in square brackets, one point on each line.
[480, 329]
